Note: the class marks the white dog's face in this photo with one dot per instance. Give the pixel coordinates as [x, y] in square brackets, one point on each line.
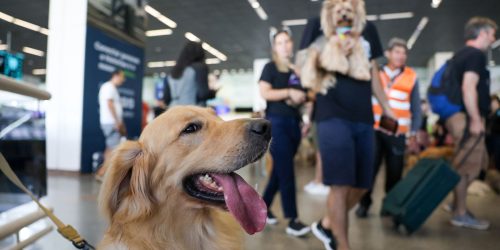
[343, 14]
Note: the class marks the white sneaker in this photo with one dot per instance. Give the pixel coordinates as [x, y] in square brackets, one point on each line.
[314, 188]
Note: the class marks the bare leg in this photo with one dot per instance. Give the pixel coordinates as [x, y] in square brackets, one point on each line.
[354, 197]
[318, 176]
[460, 196]
[102, 170]
[337, 212]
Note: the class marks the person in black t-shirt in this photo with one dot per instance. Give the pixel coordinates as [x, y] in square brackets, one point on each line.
[345, 130]
[281, 88]
[467, 127]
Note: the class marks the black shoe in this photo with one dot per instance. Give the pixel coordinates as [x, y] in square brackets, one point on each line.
[324, 235]
[297, 228]
[271, 219]
[362, 211]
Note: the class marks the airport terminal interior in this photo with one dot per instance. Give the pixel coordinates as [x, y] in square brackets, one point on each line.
[358, 124]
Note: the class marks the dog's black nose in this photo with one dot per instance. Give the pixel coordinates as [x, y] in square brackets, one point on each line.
[261, 127]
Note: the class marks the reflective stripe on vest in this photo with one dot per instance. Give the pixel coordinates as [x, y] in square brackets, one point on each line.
[399, 95]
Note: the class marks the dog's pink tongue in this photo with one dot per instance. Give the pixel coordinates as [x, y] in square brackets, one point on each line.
[243, 202]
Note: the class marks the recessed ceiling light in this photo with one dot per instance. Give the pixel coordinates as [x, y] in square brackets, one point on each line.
[414, 36]
[294, 22]
[160, 32]
[33, 51]
[435, 3]
[400, 15]
[212, 61]
[371, 17]
[161, 64]
[6, 17]
[191, 37]
[23, 23]
[258, 8]
[167, 21]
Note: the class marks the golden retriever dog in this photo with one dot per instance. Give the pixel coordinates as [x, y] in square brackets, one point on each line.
[340, 50]
[172, 188]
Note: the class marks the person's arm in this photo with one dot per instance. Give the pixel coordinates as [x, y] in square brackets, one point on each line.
[469, 92]
[378, 91]
[415, 109]
[269, 94]
[118, 122]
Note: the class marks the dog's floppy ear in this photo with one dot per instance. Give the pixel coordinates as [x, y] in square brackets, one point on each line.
[126, 193]
[326, 17]
[360, 17]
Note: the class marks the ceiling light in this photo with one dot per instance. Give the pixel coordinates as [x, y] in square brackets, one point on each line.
[258, 8]
[167, 21]
[44, 31]
[4, 46]
[38, 72]
[32, 51]
[214, 52]
[261, 13]
[435, 3]
[212, 61]
[161, 64]
[26, 25]
[23, 23]
[294, 22]
[191, 37]
[421, 25]
[160, 32]
[6, 17]
[401, 15]
[371, 17]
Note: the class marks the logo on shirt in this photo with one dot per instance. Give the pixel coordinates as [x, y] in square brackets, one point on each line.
[294, 80]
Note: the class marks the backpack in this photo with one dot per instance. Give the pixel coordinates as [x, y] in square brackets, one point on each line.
[445, 92]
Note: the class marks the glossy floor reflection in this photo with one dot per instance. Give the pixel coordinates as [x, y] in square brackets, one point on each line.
[74, 200]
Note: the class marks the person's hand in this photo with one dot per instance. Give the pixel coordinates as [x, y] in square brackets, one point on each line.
[121, 128]
[476, 127]
[413, 147]
[306, 127]
[297, 96]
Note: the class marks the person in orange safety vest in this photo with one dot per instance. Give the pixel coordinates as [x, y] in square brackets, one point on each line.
[401, 87]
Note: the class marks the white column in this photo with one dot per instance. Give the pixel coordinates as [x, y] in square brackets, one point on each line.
[259, 104]
[65, 72]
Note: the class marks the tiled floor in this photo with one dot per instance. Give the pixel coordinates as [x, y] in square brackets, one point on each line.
[74, 200]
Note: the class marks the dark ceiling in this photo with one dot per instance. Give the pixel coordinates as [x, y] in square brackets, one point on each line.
[233, 27]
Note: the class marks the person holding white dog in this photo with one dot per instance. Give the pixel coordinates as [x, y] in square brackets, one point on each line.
[343, 108]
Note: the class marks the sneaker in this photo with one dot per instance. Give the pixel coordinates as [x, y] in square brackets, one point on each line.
[469, 221]
[324, 235]
[362, 212]
[314, 188]
[271, 219]
[297, 228]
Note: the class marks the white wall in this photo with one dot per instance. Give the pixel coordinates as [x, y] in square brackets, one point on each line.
[237, 89]
[65, 71]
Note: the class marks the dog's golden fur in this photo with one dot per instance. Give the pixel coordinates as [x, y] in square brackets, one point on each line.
[337, 53]
[142, 195]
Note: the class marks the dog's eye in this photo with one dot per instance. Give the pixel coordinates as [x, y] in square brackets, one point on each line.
[191, 128]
